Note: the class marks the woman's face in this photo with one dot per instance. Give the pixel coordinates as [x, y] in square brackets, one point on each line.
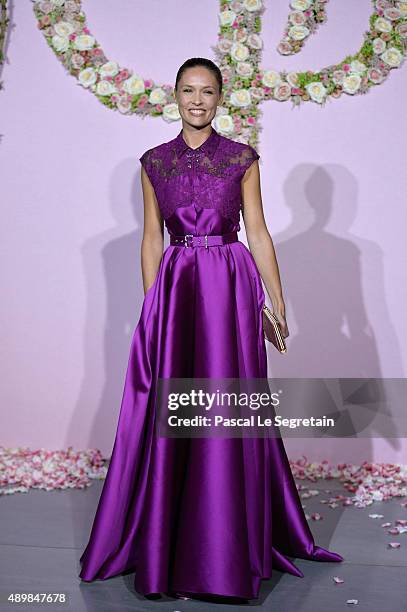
[198, 96]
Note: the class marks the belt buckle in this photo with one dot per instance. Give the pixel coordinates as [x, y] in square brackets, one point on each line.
[186, 238]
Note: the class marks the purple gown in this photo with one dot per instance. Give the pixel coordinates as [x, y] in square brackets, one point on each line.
[197, 515]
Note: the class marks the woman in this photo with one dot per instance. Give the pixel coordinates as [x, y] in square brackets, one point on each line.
[199, 516]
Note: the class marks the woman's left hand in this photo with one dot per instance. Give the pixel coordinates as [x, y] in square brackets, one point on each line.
[279, 311]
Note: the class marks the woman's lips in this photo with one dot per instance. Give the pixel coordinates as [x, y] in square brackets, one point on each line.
[196, 112]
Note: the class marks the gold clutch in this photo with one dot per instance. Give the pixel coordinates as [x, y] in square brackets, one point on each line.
[272, 331]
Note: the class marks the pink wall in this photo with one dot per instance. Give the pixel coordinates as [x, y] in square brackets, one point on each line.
[334, 185]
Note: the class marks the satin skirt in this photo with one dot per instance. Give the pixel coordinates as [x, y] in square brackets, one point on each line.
[197, 515]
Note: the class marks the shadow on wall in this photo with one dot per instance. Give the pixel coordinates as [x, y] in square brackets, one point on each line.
[325, 275]
[112, 269]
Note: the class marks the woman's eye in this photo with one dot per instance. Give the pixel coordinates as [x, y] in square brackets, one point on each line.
[188, 90]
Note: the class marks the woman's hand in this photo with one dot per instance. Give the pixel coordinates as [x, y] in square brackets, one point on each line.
[279, 311]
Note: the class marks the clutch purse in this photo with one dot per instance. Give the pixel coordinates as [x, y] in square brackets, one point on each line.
[272, 331]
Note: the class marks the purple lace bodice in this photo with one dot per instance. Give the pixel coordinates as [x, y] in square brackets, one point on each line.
[208, 177]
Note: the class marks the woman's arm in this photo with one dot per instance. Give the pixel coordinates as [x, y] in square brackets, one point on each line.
[260, 242]
[152, 244]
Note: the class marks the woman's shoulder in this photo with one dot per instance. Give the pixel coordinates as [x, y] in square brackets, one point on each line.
[239, 153]
[156, 151]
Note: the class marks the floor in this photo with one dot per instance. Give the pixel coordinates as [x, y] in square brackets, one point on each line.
[43, 535]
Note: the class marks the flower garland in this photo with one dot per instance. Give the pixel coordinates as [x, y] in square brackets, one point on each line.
[4, 21]
[238, 51]
[302, 22]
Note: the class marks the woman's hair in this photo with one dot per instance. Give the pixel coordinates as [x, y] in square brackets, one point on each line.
[200, 61]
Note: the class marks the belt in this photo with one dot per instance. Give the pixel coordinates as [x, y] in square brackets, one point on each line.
[207, 240]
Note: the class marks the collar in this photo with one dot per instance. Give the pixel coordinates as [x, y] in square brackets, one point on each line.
[208, 147]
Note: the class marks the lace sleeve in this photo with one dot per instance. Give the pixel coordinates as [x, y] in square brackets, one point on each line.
[145, 160]
[248, 156]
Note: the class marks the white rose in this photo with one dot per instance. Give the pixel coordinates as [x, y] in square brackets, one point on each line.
[240, 97]
[63, 28]
[338, 76]
[58, 2]
[271, 78]
[284, 47]
[72, 6]
[351, 83]
[378, 45]
[298, 32]
[392, 57]
[236, 6]
[296, 17]
[357, 66]
[44, 6]
[105, 88]
[244, 69]
[282, 92]
[239, 52]
[226, 71]
[240, 35]
[134, 85]
[392, 13]
[300, 5]
[60, 43]
[402, 7]
[224, 124]
[252, 5]
[171, 112]
[157, 96]
[254, 41]
[87, 77]
[226, 18]
[382, 25]
[375, 75]
[123, 105]
[224, 45]
[84, 42]
[316, 91]
[292, 79]
[109, 69]
[256, 93]
[222, 110]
